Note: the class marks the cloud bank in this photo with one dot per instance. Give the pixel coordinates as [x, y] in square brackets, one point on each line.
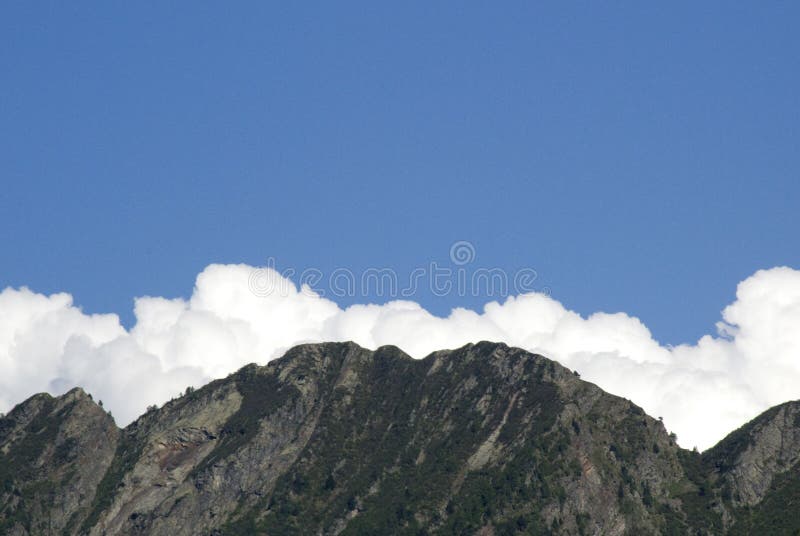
[703, 391]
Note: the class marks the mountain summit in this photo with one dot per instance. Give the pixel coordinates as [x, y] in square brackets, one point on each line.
[336, 439]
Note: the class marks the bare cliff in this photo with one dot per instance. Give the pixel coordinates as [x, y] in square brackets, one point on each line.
[336, 439]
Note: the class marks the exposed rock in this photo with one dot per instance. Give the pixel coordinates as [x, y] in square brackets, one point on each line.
[54, 453]
[335, 439]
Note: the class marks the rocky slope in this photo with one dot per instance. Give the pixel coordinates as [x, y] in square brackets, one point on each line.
[336, 439]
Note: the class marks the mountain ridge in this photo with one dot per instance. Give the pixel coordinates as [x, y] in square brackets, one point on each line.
[332, 438]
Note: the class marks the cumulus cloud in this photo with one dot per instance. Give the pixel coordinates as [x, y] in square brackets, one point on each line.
[703, 391]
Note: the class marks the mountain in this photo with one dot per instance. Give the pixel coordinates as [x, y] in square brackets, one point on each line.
[336, 439]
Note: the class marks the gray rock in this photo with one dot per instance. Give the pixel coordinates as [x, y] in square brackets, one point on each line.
[336, 439]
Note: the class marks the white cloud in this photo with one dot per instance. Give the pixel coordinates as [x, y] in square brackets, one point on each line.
[703, 391]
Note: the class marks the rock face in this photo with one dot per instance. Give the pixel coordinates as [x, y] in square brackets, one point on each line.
[756, 471]
[336, 439]
[53, 454]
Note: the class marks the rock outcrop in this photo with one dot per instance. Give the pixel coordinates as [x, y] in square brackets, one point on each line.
[336, 439]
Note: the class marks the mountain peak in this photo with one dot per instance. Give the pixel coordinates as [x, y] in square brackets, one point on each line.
[334, 438]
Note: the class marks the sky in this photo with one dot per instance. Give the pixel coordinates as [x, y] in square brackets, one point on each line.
[638, 159]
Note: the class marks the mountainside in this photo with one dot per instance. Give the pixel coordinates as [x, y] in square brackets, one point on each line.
[336, 439]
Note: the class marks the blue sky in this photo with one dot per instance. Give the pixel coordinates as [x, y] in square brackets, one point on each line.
[641, 159]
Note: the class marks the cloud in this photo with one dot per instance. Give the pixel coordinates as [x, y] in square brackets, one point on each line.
[703, 391]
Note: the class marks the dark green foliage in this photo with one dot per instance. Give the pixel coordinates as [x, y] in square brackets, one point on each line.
[481, 438]
[724, 454]
[583, 523]
[647, 496]
[777, 513]
[631, 438]
[504, 497]
[129, 449]
[379, 437]
[675, 522]
[18, 464]
[261, 394]
[20, 477]
[699, 503]
[65, 451]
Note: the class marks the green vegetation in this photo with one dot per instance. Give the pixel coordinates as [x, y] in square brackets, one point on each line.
[20, 477]
[261, 394]
[699, 501]
[377, 438]
[491, 439]
[504, 496]
[129, 450]
[776, 514]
